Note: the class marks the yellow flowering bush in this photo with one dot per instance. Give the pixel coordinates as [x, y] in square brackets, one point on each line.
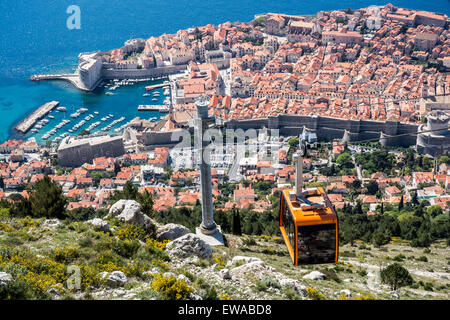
[264, 237]
[220, 260]
[171, 288]
[314, 294]
[28, 223]
[66, 254]
[39, 282]
[131, 232]
[225, 297]
[157, 244]
[365, 297]
[5, 227]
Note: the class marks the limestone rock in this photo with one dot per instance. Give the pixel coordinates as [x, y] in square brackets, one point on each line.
[194, 296]
[314, 275]
[5, 278]
[395, 294]
[252, 267]
[116, 279]
[182, 277]
[346, 292]
[130, 211]
[54, 292]
[52, 223]
[242, 259]
[171, 231]
[225, 273]
[189, 245]
[99, 224]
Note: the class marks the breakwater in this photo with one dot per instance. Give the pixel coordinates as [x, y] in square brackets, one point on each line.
[38, 114]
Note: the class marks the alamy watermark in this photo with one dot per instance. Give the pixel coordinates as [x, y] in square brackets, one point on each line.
[74, 20]
[262, 144]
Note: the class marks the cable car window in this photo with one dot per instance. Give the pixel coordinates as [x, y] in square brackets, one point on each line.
[317, 244]
[288, 223]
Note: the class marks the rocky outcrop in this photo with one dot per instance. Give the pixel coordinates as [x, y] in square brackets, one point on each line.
[5, 278]
[189, 245]
[241, 259]
[314, 275]
[130, 211]
[257, 268]
[171, 231]
[99, 224]
[347, 293]
[116, 279]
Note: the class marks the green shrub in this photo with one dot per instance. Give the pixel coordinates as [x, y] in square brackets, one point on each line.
[126, 248]
[422, 258]
[66, 254]
[362, 273]
[261, 286]
[209, 294]
[17, 290]
[399, 258]
[396, 276]
[428, 286]
[247, 241]
[270, 282]
[331, 275]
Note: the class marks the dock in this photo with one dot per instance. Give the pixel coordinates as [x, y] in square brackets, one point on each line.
[153, 107]
[159, 85]
[38, 114]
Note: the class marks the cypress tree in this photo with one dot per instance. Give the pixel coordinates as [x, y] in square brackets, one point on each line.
[400, 204]
[236, 226]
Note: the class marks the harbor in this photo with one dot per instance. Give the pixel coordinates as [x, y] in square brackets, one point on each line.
[95, 112]
[38, 114]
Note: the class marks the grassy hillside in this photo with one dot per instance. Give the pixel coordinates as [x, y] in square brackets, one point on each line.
[40, 254]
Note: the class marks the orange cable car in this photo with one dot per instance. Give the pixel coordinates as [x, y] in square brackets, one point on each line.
[308, 223]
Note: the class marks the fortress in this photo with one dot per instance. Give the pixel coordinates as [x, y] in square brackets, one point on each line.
[326, 128]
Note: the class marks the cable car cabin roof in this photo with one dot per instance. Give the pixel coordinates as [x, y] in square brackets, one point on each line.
[305, 214]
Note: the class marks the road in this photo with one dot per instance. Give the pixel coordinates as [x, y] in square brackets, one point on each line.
[233, 172]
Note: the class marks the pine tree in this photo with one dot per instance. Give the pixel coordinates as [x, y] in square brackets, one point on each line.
[48, 200]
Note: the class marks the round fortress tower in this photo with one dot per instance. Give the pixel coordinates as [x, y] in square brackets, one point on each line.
[434, 136]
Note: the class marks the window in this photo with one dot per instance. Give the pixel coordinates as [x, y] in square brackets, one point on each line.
[288, 223]
[317, 244]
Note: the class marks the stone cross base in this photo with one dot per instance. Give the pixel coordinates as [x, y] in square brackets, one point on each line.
[214, 239]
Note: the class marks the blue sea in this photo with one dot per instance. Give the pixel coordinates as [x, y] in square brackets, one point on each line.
[34, 38]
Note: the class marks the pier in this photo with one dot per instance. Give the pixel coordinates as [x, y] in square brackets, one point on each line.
[161, 85]
[38, 114]
[151, 107]
[73, 78]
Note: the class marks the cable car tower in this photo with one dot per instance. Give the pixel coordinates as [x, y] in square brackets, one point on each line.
[308, 221]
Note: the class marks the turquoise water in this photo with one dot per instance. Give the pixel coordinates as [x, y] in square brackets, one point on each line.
[123, 102]
[34, 39]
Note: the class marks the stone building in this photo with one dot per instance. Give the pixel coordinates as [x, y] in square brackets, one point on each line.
[77, 150]
[425, 41]
[90, 69]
